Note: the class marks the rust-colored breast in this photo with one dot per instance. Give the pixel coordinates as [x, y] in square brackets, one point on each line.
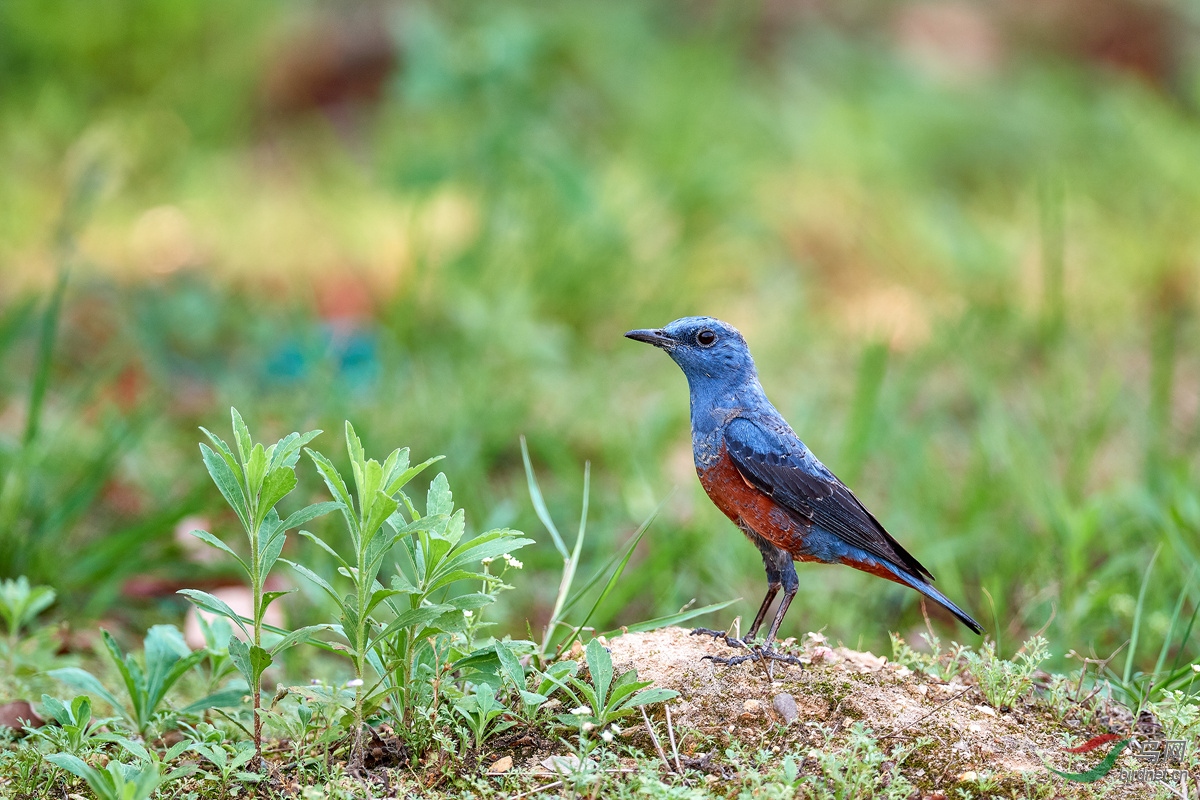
[746, 505]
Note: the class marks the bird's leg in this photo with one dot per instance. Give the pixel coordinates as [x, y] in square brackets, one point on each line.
[771, 560]
[772, 590]
[743, 643]
[781, 573]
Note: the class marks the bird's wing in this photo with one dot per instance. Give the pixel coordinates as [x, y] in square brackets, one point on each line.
[782, 467]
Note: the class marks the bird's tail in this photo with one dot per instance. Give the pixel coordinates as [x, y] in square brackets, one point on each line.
[941, 599]
[891, 572]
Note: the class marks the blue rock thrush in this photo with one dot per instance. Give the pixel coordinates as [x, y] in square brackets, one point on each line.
[758, 472]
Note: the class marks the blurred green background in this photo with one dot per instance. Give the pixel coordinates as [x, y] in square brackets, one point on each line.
[961, 238]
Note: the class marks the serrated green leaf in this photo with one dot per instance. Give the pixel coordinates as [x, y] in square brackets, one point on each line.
[256, 473]
[250, 659]
[399, 481]
[271, 597]
[270, 551]
[439, 499]
[241, 435]
[227, 483]
[337, 487]
[470, 602]
[287, 450]
[277, 484]
[511, 665]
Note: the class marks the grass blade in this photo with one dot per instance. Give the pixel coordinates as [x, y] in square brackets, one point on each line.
[539, 502]
[1137, 619]
[616, 576]
[670, 619]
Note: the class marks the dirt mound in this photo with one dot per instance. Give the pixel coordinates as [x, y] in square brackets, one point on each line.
[951, 739]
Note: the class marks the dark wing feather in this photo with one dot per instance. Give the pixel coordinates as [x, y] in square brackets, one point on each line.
[795, 479]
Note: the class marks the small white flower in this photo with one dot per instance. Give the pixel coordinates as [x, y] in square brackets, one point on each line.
[514, 563]
[616, 729]
[587, 726]
[580, 711]
[468, 613]
[355, 682]
[607, 736]
[486, 561]
[506, 556]
[1195, 667]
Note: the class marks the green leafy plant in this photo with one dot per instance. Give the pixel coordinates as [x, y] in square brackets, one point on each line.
[437, 560]
[943, 665]
[306, 720]
[167, 658]
[861, 771]
[120, 781]
[604, 700]
[1179, 714]
[482, 713]
[1136, 688]
[253, 482]
[226, 757]
[377, 489]
[1004, 682]
[75, 727]
[20, 603]
[529, 703]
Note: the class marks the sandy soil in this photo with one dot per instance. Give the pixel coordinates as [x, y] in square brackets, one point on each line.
[971, 746]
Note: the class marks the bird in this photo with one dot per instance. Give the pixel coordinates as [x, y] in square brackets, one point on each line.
[759, 473]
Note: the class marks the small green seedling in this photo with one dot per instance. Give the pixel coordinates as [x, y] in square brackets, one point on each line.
[939, 664]
[482, 712]
[227, 757]
[167, 659]
[1004, 682]
[20, 604]
[514, 675]
[75, 727]
[605, 700]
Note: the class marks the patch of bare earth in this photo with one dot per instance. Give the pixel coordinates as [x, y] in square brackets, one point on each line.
[969, 745]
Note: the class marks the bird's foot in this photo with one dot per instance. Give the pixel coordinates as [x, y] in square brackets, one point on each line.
[757, 652]
[753, 652]
[723, 636]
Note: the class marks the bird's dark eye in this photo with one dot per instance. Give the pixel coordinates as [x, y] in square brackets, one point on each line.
[706, 338]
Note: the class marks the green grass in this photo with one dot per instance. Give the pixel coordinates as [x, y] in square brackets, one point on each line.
[976, 301]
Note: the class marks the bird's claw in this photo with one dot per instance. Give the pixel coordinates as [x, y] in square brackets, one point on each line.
[724, 636]
[755, 652]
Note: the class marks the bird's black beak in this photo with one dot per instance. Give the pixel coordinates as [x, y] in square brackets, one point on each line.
[656, 338]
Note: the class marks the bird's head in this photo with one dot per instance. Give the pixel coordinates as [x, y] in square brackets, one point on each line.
[706, 349]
